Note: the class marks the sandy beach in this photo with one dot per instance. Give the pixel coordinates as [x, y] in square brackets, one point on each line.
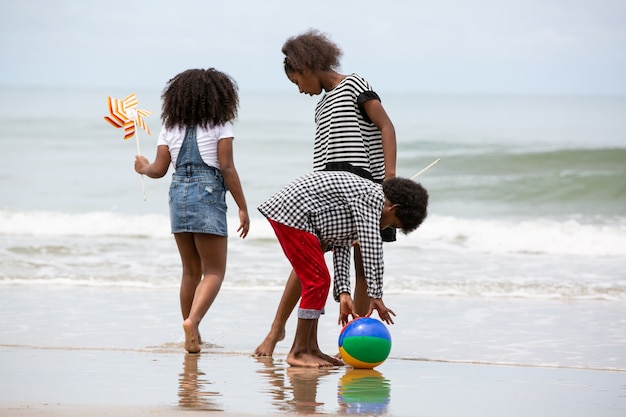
[104, 352]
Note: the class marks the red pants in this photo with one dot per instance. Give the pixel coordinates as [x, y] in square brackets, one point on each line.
[305, 254]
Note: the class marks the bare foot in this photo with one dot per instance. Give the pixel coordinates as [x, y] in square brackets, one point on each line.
[333, 360]
[192, 337]
[307, 360]
[336, 361]
[266, 348]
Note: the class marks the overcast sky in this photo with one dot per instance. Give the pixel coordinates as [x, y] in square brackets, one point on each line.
[438, 46]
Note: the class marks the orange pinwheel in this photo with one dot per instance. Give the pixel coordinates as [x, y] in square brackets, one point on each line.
[125, 114]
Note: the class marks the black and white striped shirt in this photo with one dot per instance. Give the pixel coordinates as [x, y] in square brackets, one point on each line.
[343, 133]
[341, 209]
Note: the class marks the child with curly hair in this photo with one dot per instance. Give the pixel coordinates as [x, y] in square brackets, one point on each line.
[338, 209]
[197, 140]
[353, 133]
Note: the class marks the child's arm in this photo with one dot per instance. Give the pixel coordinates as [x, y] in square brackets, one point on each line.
[341, 283]
[377, 114]
[374, 278]
[341, 266]
[159, 167]
[231, 178]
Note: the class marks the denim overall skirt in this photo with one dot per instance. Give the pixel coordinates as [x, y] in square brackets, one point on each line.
[197, 196]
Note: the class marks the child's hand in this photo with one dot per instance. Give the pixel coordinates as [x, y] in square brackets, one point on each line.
[383, 312]
[141, 162]
[346, 308]
[244, 223]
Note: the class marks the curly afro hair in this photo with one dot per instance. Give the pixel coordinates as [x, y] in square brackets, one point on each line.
[311, 50]
[412, 199]
[199, 97]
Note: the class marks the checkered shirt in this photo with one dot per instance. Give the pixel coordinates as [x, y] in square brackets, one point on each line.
[341, 209]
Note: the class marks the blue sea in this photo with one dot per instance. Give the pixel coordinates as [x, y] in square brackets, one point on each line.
[522, 259]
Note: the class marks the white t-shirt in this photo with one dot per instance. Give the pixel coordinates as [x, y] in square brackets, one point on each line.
[207, 141]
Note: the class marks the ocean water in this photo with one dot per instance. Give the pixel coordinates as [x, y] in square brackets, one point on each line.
[521, 260]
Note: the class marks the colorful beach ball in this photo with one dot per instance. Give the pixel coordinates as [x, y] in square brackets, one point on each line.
[364, 343]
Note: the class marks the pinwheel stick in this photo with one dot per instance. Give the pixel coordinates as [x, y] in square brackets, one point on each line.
[426, 168]
[143, 187]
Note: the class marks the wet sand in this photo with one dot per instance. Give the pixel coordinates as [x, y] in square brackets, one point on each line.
[93, 382]
[109, 352]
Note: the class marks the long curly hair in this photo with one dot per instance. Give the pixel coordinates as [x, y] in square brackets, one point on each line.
[311, 50]
[412, 198]
[199, 97]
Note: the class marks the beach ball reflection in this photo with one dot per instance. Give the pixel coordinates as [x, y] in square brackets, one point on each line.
[364, 391]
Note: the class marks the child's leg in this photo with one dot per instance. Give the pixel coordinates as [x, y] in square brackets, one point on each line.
[192, 275]
[210, 250]
[315, 349]
[299, 354]
[192, 271]
[305, 254]
[288, 302]
[361, 300]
